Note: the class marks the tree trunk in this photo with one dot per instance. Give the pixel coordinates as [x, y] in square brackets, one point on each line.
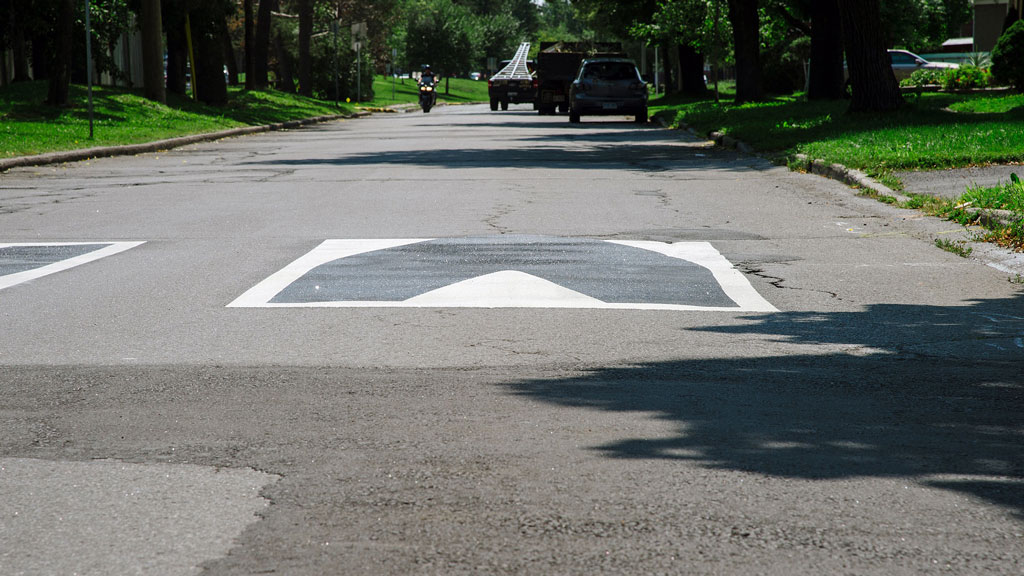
[249, 55]
[176, 56]
[60, 63]
[18, 48]
[872, 80]
[40, 60]
[229, 54]
[672, 68]
[261, 48]
[285, 79]
[151, 25]
[691, 71]
[746, 24]
[208, 78]
[826, 76]
[305, 59]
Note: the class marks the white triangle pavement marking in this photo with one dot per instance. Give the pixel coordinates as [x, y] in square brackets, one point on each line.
[505, 289]
[61, 265]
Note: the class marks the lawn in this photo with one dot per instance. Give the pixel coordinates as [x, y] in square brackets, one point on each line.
[389, 91]
[934, 130]
[123, 116]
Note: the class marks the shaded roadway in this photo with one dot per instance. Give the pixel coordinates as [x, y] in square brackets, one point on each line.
[916, 396]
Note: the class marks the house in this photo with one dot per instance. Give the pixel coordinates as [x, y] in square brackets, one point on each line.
[989, 18]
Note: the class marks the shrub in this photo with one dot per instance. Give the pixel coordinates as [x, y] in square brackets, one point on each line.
[1008, 56]
[966, 77]
[924, 77]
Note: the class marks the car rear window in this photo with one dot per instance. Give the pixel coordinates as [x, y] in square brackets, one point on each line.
[609, 71]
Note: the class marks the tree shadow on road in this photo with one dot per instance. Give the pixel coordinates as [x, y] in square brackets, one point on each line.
[929, 392]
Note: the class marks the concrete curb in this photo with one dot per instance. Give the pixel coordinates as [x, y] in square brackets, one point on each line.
[846, 175]
[130, 149]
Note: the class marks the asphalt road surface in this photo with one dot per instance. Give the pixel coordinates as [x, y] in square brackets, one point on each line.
[474, 342]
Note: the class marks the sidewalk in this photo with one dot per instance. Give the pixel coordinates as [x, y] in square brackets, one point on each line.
[953, 183]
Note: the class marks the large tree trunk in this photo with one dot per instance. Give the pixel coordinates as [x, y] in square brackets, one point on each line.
[40, 60]
[176, 56]
[672, 84]
[826, 76]
[746, 25]
[19, 51]
[305, 59]
[208, 79]
[261, 49]
[285, 79]
[872, 80]
[60, 64]
[152, 51]
[249, 56]
[229, 54]
[691, 71]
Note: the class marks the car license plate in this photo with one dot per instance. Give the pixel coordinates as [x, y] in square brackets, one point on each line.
[610, 105]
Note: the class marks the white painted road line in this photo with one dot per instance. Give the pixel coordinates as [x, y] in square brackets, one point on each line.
[109, 249]
[503, 287]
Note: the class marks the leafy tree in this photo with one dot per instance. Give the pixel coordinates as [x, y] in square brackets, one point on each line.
[498, 36]
[1008, 56]
[559, 21]
[442, 34]
[921, 25]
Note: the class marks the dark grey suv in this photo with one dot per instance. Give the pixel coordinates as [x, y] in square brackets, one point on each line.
[608, 86]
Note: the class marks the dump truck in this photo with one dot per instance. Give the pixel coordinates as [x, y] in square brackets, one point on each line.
[557, 64]
[514, 83]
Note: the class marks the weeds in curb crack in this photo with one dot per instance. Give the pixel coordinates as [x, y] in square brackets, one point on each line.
[960, 248]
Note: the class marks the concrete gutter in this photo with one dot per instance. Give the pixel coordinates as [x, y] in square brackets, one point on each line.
[130, 149]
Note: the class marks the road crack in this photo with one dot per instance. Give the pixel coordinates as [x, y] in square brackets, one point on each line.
[779, 282]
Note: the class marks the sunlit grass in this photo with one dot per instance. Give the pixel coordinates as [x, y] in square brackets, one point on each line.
[27, 126]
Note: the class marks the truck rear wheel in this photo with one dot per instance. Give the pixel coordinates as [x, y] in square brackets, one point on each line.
[494, 104]
[574, 117]
[504, 104]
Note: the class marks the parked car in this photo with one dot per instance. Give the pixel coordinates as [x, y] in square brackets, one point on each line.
[474, 75]
[906, 63]
[608, 86]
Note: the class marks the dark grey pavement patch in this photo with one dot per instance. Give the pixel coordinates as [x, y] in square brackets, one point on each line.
[21, 262]
[507, 272]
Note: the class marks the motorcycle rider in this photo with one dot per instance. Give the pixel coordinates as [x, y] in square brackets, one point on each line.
[428, 74]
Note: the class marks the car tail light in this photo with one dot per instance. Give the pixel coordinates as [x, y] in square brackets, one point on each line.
[535, 84]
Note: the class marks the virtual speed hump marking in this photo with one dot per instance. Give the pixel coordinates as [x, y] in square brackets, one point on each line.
[21, 262]
[510, 272]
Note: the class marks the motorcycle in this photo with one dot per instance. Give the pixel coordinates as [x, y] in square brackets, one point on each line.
[428, 93]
